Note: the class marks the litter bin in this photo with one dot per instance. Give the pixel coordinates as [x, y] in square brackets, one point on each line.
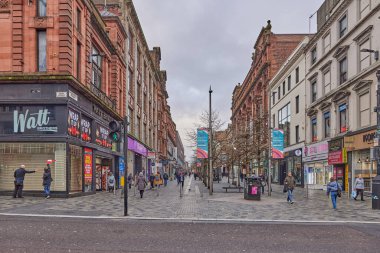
[252, 188]
[376, 193]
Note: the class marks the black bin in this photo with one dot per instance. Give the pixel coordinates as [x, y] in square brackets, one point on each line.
[376, 193]
[252, 188]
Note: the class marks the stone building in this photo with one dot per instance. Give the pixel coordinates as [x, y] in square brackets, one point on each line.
[250, 99]
[147, 108]
[287, 110]
[62, 78]
[341, 93]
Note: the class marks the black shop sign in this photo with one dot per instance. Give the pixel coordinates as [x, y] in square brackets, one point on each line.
[32, 119]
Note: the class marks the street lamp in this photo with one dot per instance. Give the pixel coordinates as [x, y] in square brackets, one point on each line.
[210, 144]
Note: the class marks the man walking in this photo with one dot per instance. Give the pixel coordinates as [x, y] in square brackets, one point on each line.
[290, 183]
[19, 176]
[46, 180]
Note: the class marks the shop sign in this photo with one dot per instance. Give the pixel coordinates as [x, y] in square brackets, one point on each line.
[137, 147]
[151, 155]
[87, 166]
[315, 152]
[298, 152]
[102, 137]
[85, 129]
[103, 97]
[336, 145]
[101, 113]
[73, 127]
[364, 140]
[32, 119]
[337, 157]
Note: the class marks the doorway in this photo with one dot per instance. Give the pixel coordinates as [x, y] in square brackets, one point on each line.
[103, 168]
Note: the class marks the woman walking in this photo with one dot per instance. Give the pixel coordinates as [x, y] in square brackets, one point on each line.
[141, 183]
[46, 181]
[359, 187]
[334, 190]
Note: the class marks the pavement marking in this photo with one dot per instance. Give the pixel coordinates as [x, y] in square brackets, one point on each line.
[204, 220]
[188, 186]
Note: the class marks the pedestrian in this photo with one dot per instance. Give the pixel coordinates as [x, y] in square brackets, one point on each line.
[46, 180]
[195, 176]
[289, 185]
[359, 187]
[166, 177]
[262, 183]
[19, 176]
[141, 183]
[334, 190]
[130, 180]
[111, 182]
[182, 179]
[151, 180]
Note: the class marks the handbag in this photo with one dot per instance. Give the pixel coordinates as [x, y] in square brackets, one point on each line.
[285, 188]
[339, 191]
[353, 194]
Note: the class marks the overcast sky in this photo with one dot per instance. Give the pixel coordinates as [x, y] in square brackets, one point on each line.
[210, 42]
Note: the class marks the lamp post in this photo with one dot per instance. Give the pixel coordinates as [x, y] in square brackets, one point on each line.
[210, 144]
[376, 180]
[125, 149]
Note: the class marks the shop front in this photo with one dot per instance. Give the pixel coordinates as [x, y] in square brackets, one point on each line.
[317, 171]
[361, 162]
[338, 159]
[54, 124]
[292, 162]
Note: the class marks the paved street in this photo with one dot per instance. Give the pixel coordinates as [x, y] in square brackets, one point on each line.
[197, 204]
[36, 234]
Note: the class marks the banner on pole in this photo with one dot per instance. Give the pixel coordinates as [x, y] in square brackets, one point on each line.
[277, 143]
[202, 143]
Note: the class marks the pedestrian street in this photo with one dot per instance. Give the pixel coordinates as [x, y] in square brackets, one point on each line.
[196, 203]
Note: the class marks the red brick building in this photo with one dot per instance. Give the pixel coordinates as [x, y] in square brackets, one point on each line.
[250, 99]
[62, 76]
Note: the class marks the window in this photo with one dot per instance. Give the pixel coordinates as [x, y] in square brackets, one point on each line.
[297, 74]
[326, 124]
[130, 46]
[289, 82]
[78, 60]
[313, 90]
[130, 119]
[138, 94]
[138, 128]
[342, 118]
[343, 70]
[274, 120]
[365, 58]
[96, 68]
[284, 122]
[326, 43]
[274, 97]
[279, 92]
[130, 82]
[79, 20]
[41, 43]
[326, 81]
[343, 26]
[364, 112]
[297, 104]
[138, 60]
[314, 136]
[297, 133]
[313, 55]
[283, 88]
[364, 7]
[41, 10]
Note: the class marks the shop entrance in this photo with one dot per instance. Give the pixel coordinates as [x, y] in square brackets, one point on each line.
[282, 171]
[138, 164]
[103, 168]
[339, 175]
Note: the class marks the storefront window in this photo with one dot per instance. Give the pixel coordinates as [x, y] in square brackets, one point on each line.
[76, 168]
[34, 156]
[298, 170]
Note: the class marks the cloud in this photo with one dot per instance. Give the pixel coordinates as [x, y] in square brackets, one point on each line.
[210, 42]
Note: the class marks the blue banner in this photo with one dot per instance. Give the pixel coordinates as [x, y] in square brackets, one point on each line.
[277, 144]
[202, 143]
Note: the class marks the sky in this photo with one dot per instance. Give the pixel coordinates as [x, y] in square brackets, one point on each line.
[210, 42]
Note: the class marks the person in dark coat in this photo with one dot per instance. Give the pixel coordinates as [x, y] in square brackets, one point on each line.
[19, 176]
[46, 181]
[141, 183]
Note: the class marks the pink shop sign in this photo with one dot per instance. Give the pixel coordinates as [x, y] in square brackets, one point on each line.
[317, 151]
